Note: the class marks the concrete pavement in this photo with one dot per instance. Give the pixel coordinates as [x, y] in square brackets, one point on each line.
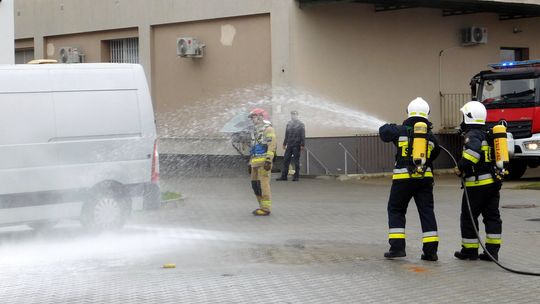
[323, 243]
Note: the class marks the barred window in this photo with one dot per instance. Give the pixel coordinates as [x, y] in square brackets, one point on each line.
[24, 55]
[124, 50]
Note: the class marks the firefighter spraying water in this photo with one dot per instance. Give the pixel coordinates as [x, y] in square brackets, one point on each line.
[412, 178]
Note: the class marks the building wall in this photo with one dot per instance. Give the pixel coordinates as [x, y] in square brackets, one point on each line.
[46, 18]
[346, 67]
[93, 45]
[7, 32]
[237, 55]
[195, 97]
[375, 63]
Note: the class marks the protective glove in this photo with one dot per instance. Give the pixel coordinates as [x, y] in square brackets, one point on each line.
[267, 165]
[457, 171]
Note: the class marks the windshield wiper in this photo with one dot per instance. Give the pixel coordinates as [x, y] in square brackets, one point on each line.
[519, 94]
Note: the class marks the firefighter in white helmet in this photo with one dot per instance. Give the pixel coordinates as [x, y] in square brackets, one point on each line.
[263, 150]
[482, 187]
[413, 178]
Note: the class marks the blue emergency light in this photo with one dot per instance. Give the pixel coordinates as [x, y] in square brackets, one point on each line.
[515, 64]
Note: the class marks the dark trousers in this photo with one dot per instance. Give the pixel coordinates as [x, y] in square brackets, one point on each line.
[292, 152]
[400, 195]
[484, 200]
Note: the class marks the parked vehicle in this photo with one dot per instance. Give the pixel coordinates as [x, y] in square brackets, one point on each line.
[76, 141]
[510, 93]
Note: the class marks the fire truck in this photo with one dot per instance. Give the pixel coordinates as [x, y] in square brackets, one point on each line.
[510, 93]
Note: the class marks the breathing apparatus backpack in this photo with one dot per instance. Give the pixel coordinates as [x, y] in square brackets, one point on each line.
[500, 151]
[419, 148]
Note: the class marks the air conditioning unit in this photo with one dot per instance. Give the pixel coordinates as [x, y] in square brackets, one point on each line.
[189, 47]
[473, 35]
[69, 54]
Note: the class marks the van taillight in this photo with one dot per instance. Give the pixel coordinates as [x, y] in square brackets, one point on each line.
[155, 165]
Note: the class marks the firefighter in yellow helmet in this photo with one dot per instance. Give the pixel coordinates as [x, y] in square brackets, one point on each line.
[413, 178]
[481, 184]
[263, 150]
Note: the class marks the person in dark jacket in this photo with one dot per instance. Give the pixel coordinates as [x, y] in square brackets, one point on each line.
[481, 185]
[293, 144]
[408, 181]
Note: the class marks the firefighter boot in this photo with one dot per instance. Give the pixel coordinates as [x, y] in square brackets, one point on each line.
[429, 257]
[430, 251]
[394, 254]
[494, 251]
[261, 212]
[467, 254]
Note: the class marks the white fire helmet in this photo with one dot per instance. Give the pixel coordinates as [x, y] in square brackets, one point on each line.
[418, 108]
[474, 113]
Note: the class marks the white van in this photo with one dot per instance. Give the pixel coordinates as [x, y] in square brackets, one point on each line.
[76, 141]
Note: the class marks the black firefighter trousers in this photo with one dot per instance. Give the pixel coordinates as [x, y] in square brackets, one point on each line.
[484, 201]
[400, 195]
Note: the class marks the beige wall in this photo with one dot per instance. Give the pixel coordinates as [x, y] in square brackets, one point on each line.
[377, 62]
[7, 32]
[195, 97]
[89, 44]
[24, 44]
[244, 63]
[45, 18]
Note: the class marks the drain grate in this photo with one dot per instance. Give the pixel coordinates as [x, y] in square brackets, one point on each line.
[519, 206]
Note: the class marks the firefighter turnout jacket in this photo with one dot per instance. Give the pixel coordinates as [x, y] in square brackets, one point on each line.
[263, 145]
[401, 136]
[476, 159]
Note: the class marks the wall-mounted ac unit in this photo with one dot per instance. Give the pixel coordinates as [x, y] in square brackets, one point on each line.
[473, 35]
[189, 47]
[69, 54]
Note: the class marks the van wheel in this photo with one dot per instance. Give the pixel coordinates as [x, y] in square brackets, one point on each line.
[105, 211]
[516, 169]
[42, 225]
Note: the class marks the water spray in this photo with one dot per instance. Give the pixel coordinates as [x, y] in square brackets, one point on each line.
[462, 180]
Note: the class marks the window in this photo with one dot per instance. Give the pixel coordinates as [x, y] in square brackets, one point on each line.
[124, 50]
[24, 55]
[514, 54]
[510, 93]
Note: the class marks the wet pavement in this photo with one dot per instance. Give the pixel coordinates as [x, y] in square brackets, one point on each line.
[323, 243]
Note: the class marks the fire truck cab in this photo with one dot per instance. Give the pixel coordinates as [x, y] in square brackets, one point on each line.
[510, 93]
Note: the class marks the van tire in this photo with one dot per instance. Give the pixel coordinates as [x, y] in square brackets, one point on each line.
[42, 225]
[105, 210]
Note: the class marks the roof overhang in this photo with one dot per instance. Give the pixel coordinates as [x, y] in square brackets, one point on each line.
[505, 9]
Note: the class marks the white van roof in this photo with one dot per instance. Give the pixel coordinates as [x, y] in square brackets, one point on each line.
[63, 66]
[68, 77]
